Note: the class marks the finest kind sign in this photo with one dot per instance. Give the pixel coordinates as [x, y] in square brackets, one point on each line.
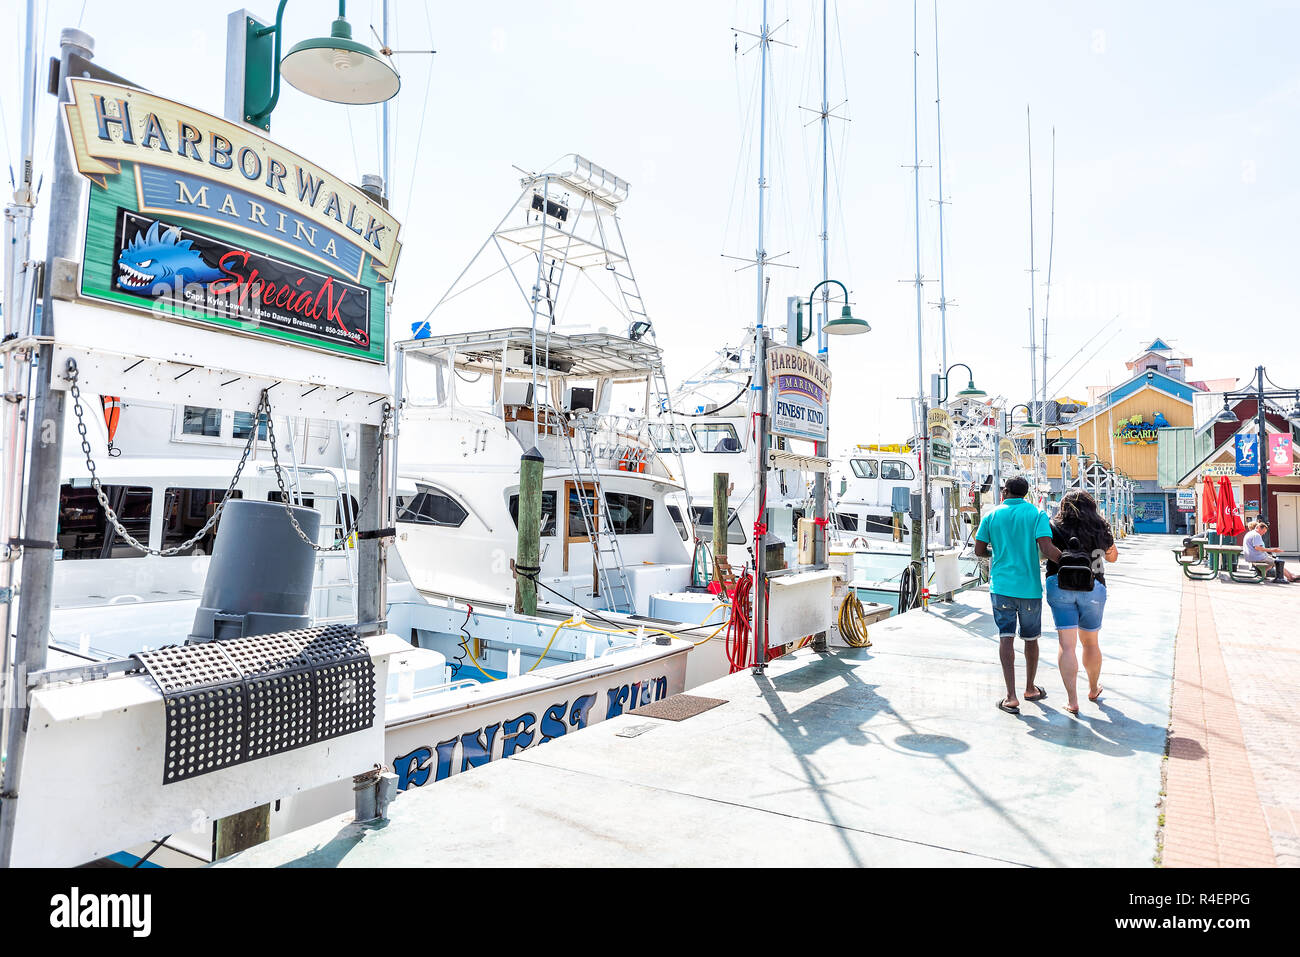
[801, 386]
[196, 218]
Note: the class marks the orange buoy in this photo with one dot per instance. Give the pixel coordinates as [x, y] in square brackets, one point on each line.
[112, 414]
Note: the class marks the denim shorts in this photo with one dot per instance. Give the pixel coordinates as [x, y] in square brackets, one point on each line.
[1007, 610]
[1076, 609]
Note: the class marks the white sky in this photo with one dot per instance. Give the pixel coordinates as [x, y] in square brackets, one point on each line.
[1176, 185]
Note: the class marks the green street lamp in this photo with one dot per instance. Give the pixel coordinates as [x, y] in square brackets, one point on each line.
[336, 68]
[845, 325]
[1028, 423]
[970, 392]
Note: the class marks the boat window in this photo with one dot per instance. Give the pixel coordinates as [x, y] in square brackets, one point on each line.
[878, 523]
[577, 526]
[430, 507]
[865, 468]
[846, 521]
[185, 510]
[425, 376]
[630, 514]
[892, 470]
[675, 514]
[704, 525]
[202, 420]
[671, 438]
[548, 513]
[716, 437]
[244, 425]
[84, 530]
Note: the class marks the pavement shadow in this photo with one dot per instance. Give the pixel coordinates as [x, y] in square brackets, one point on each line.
[805, 737]
[1114, 735]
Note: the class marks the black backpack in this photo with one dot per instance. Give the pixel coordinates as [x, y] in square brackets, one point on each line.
[1074, 568]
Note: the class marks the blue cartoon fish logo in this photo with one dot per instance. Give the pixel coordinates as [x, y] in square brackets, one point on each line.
[162, 257]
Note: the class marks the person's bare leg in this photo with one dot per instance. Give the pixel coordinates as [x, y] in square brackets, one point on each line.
[1068, 664]
[1007, 652]
[1092, 661]
[1031, 666]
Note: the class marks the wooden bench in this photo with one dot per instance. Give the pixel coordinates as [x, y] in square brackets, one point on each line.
[1229, 561]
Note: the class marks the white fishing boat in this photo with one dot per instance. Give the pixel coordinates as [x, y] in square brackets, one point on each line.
[111, 638]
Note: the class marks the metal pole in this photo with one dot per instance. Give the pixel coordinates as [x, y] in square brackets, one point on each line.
[18, 291]
[938, 145]
[760, 487]
[1261, 447]
[388, 183]
[46, 460]
[822, 449]
[923, 427]
[760, 378]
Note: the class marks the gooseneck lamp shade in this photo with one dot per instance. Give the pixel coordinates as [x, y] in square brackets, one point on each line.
[339, 69]
[846, 325]
[1226, 415]
[970, 392]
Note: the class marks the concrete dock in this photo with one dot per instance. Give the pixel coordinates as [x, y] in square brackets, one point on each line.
[892, 755]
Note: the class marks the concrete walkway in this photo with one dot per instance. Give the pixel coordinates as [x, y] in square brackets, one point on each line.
[1234, 750]
[893, 755]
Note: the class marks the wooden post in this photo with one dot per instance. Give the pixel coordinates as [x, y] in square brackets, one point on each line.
[721, 481]
[529, 549]
[238, 832]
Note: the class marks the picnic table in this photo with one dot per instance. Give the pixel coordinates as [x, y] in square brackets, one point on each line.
[1197, 566]
[1227, 558]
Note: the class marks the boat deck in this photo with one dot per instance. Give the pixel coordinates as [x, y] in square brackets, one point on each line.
[892, 755]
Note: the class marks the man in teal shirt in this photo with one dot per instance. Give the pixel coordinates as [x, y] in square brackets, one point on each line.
[1016, 533]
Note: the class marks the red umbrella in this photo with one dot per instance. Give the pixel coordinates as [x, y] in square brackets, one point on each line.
[1230, 524]
[1209, 504]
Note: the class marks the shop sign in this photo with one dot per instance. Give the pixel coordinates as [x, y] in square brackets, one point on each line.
[1136, 431]
[195, 218]
[800, 385]
[1186, 499]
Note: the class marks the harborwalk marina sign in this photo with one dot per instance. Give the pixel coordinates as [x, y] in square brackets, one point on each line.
[801, 388]
[195, 218]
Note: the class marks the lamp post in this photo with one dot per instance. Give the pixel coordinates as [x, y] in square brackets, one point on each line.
[1060, 450]
[846, 325]
[1259, 394]
[970, 392]
[334, 68]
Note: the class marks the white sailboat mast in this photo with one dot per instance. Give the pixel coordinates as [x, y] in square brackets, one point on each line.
[938, 114]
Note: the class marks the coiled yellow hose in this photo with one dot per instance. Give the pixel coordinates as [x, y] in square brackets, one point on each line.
[853, 622]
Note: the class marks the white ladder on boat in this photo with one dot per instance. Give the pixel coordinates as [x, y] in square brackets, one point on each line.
[607, 555]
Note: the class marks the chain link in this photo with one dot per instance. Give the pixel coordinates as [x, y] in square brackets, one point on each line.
[103, 499]
[263, 403]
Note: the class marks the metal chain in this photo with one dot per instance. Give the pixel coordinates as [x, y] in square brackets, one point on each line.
[263, 402]
[103, 499]
[338, 543]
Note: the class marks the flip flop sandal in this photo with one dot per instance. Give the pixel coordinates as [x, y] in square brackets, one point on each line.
[1073, 711]
[1002, 706]
[1038, 697]
[1100, 692]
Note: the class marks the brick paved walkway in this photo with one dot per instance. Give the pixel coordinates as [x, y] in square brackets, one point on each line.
[1233, 783]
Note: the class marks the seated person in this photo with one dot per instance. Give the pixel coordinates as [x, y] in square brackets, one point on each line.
[1253, 550]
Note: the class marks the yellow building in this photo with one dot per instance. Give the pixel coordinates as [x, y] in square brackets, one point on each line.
[1123, 430]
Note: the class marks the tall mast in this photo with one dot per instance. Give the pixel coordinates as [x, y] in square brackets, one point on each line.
[922, 428]
[388, 185]
[938, 115]
[916, 176]
[826, 255]
[760, 254]
[1051, 243]
[1033, 347]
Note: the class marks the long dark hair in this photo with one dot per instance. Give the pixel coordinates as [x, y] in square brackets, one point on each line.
[1079, 517]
